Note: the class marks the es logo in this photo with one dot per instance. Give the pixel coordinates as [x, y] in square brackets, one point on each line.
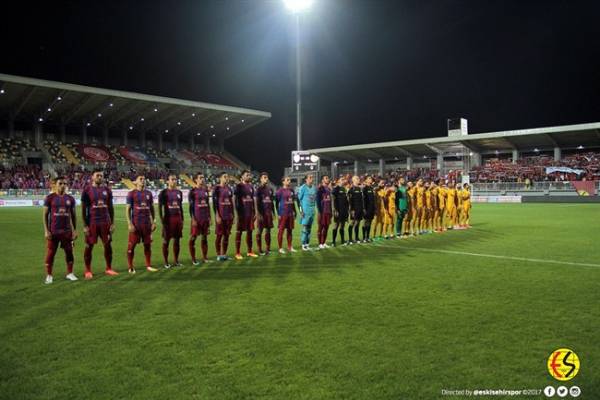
[563, 364]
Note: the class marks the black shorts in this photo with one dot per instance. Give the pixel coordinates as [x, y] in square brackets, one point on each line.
[370, 215]
[358, 215]
[341, 217]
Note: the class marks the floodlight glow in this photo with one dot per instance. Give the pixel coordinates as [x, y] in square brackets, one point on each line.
[298, 6]
[227, 128]
[49, 109]
[110, 105]
[166, 131]
[156, 110]
[131, 128]
[142, 119]
[99, 115]
[88, 124]
[41, 119]
[214, 135]
[193, 114]
[212, 127]
[580, 147]
[1, 91]
[59, 98]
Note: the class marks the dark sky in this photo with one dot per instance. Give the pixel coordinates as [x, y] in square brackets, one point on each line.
[375, 70]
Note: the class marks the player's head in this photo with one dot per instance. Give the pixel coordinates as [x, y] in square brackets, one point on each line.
[223, 178]
[458, 186]
[246, 176]
[369, 180]
[356, 180]
[172, 181]
[309, 179]
[426, 185]
[264, 178]
[410, 184]
[325, 180]
[420, 182]
[140, 182]
[466, 185]
[97, 177]
[401, 181]
[286, 180]
[199, 179]
[381, 183]
[60, 184]
[342, 180]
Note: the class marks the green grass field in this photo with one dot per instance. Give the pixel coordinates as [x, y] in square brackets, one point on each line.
[402, 319]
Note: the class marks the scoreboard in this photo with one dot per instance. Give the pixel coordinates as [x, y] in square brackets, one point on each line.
[304, 161]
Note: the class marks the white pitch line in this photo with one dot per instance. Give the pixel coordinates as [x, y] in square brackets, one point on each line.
[465, 253]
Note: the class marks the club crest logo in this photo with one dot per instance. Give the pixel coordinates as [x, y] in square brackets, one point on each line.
[563, 364]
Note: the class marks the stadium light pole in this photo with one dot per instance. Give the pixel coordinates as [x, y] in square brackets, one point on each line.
[297, 7]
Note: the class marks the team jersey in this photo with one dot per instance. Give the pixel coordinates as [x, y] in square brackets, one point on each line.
[451, 198]
[223, 202]
[466, 196]
[171, 200]
[442, 198]
[428, 203]
[390, 201]
[355, 198]
[60, 209]
[340, 198]
[380, 200]
[401, 198]
[97, 205]
[420, 196]
[307, 196]
[199, 203]
[264, 200]
[434, 197]
[324, 199]
[141, 203]
[412, 197]
[244, 198]
[285, 198]
[369, 199]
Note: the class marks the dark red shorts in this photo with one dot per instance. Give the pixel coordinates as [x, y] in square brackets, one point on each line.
[201, 228]
[266, 222]
[173, 229]
[64, 240]
[224, 228]
[324, 219]
[286, 222]
[96, 231]
[141, 235]
[245, 223]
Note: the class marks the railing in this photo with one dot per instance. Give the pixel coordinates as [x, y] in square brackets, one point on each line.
[522, 187]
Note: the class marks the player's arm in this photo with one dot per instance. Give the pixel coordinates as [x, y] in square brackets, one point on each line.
[277, 201]
[318, 201]
[46, 212]
[161, 203]
[73, 221]
[256, 207]
[128, 210]
[294, 205]
[334, 198]
[111, 210]
[152, 214]
[299, 199]
[181, 206]
[216, 204]
[85, 214]
[191, 205]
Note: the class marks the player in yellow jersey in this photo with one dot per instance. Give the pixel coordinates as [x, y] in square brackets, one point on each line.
[389, 211]
[442, 192]
[466, 205]
[428, 209]
[410, 215]
[420, 200]
[379, 210]
[451, 205]
[435, 211]
[458, 206]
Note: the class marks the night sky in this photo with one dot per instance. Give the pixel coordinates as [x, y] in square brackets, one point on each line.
[374, 70]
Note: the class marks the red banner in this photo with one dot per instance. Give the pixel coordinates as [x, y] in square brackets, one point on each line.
[585, 188]
[95, 153]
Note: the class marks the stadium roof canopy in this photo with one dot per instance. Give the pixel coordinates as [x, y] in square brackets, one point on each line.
[36, 100]
[524, 140]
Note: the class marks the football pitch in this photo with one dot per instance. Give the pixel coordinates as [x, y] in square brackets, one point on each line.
[399, 319]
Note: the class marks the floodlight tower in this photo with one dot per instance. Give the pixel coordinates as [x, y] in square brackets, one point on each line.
[297, 7]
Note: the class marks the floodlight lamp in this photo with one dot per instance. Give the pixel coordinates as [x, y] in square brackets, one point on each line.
[298, 6]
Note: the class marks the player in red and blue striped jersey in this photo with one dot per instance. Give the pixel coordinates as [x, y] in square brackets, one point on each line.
[325, 210]
[140, 222]
[265, 209]
[285, 200]
[59, 227]
[98, 221]
[223, 207]
[170, 211]
[198, 199]
[246, 212]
